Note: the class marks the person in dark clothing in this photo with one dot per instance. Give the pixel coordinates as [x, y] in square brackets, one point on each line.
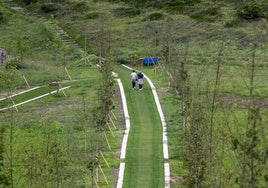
[140, 80]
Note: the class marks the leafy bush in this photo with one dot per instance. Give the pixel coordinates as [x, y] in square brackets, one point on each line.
[14, 63]
[250, 10]
[123, 60]
[232, 23]
[49, 8]
[208, 14]
[79, 6]
[2, 17]
[183, 3]
[26, 2]
[126, 12]
[179, 5]
[154, 16]
[93, 15]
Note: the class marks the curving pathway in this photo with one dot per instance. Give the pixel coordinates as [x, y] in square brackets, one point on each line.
[144, 152]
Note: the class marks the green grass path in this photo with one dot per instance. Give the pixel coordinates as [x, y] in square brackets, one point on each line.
[144, 154]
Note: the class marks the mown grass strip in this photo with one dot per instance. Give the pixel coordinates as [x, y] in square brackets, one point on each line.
[33, 99]
[42, 90]
[144, 155]
[23, 96]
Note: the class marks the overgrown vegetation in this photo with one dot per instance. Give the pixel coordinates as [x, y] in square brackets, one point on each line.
[212, 72]
[251, 10]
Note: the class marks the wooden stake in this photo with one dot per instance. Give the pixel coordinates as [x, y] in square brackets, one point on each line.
[14, 104]
[103, 174]
[62, 90]
[107, 140]
[104, 159]
[112, 121]
[67, 73]
[114, 115]
[110, 129]
[26, 81]
[96, 183]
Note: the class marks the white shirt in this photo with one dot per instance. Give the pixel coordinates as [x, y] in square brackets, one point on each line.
[133, 76]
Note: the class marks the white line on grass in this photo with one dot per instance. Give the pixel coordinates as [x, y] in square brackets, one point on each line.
[163, 121]
[30, 100]
[121, 175]
[124, 144]
[125, 138]
[20, 93]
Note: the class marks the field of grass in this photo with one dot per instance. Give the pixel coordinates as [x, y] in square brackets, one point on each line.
[59, 127]
[231, 118]
[99, 27]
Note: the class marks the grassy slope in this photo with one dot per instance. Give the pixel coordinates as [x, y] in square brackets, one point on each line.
[144, 158]
[236, 42]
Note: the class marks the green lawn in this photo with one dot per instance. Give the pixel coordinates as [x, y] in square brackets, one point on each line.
[144, 155]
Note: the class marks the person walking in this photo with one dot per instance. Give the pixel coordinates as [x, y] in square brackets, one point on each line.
[140, 80]
[133, 79]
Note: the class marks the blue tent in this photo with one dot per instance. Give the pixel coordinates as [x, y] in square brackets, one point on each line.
[150, 61]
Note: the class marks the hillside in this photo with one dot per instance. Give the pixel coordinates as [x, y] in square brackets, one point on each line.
[141, 28]
[211, 79]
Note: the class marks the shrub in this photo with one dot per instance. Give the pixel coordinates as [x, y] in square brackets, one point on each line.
[122, 60]
[208, 14]
[2, 17]
[79, 6]
[49, 7]
[250, 10]
[154, 16]
[14, 63]
[183, 3]
[179, 5]
[93, 15]
[126, 12]
[232, 23]
[26, 2]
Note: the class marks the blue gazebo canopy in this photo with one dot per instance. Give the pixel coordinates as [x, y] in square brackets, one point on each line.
[150, 60]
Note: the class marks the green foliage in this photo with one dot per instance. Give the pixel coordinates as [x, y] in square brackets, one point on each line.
[123, 61]
[78, 6]
[27, 2]
[106, 93]
[16, 64]
[154, 16]
[179, 5]
[93, 15]
[49, 8]
[233, 23]
[2, 17]
[208, 15]
[251, 10]
[8, 75]
[126, 12]
[128, 37]
[3, 175]
[251, 151]
[183, 2]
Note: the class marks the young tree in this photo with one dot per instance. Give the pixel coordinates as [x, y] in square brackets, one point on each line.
[105, 105]
[8, 78]
[5, 182]
[251, 151]
[22, 48]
